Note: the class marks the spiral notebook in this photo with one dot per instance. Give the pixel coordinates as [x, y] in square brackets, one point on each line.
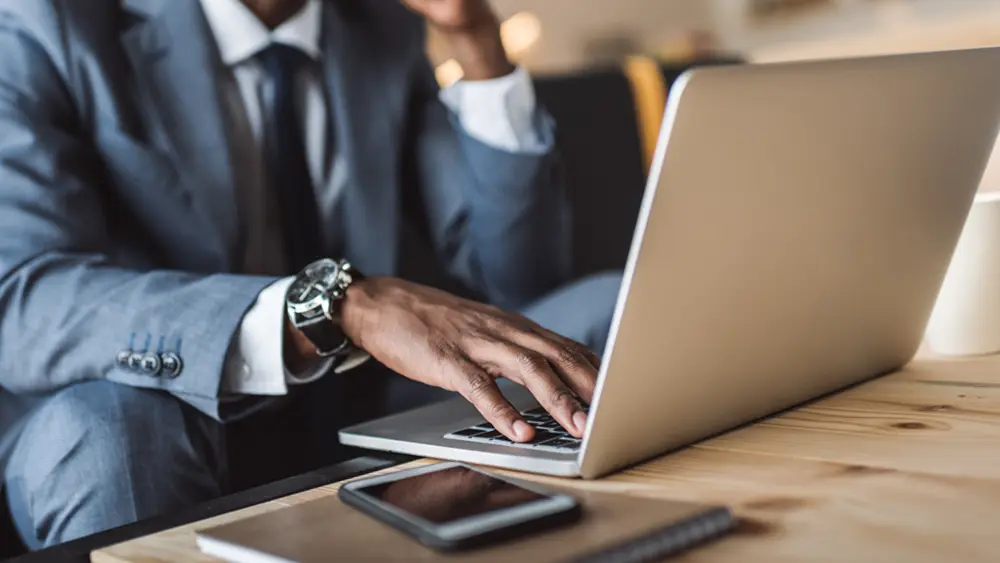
[614, 528]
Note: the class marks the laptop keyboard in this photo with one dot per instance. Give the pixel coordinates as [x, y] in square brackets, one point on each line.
[549, 435]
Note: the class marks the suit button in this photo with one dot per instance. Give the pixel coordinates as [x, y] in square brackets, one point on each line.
[122, 358]
[150, 364]
[135, 361]
[172, 364]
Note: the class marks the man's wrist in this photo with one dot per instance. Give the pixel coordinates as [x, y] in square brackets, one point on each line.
[355, 310]
[300, 352]
[480, 52]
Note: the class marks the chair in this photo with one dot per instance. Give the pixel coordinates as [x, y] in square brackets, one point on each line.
[600, 148]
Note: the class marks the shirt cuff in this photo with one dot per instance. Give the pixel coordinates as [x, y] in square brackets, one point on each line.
[498, 112]
[255, 362]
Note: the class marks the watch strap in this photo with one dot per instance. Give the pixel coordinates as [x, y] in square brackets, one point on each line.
[328, 339]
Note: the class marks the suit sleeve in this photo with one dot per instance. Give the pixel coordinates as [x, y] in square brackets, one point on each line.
[499, 112]
[66, 308]
[499, 217]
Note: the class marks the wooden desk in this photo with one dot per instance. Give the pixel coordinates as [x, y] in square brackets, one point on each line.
[902, 468]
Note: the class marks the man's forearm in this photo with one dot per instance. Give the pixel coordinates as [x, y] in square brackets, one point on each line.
[473, 31]
[300, 352]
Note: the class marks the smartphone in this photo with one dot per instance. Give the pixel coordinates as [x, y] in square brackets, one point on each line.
[451, 506]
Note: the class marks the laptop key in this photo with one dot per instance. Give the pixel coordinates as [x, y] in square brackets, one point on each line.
[548, 437]
[541, 436]
[562, 443]
[468, 432]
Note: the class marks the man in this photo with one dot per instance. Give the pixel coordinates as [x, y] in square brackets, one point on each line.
[169, 169]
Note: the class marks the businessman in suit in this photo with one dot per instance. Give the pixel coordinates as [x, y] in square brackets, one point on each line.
[207, 206]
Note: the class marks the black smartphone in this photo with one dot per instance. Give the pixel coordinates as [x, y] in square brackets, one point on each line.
[451, 506]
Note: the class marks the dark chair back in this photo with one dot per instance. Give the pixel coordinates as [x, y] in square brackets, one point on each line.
[600, 140]
[599, 144]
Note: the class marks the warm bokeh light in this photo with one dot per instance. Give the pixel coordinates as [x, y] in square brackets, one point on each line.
[448, 72]
[520, 32]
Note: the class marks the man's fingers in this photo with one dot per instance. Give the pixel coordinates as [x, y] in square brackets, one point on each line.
[480, 389]
[549, 389]
[569, 361]
[592, 358]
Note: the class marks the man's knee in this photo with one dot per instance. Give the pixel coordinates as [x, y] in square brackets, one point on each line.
[99, 455]
[602, 287]
[581, 310]
[600, 294]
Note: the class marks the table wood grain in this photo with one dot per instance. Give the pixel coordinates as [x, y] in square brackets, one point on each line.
[905, 467]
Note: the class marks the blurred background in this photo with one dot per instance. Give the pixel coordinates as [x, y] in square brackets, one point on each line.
[549, 35]
[559, 37]
[604, 69]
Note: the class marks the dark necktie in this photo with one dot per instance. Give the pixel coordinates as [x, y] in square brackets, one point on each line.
[335, 400]
[288, 435]
[288, 176]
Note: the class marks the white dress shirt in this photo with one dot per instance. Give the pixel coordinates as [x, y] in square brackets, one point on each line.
[497, 112]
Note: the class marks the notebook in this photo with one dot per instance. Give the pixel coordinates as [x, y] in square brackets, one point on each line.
[613, 528]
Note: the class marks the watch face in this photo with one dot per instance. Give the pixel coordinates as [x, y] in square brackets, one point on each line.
[310, 287]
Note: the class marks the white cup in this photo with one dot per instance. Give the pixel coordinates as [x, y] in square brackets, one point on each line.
[966, 317]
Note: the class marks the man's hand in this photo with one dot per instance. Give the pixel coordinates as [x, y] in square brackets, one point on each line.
[473, 31]
[445, 341]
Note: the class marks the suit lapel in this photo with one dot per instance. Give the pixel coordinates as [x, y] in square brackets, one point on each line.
[367, 105]
[177, 68]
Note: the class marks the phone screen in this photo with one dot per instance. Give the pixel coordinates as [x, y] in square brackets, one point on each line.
[449, 495]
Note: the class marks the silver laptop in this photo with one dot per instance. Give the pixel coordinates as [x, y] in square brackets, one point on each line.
[797, 225]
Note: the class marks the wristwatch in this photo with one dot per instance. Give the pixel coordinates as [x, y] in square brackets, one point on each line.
[313, 304]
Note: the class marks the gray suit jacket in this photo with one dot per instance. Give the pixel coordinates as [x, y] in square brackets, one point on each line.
[118, 220]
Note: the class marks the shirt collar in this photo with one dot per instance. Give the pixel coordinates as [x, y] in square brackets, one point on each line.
[240, 35]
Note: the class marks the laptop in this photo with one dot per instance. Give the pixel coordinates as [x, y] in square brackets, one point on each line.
[797, 224]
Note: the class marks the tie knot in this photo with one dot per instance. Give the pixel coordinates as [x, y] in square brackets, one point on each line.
[281, 60]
